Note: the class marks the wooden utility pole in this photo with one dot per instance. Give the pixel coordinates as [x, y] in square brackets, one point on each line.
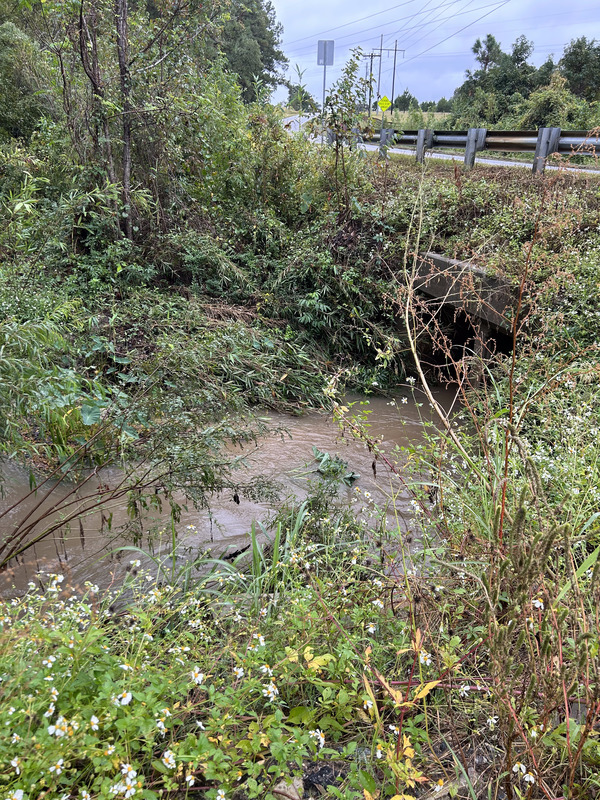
[394, 78]
[379, 55]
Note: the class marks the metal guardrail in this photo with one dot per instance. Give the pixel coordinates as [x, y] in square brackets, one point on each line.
[542, 142]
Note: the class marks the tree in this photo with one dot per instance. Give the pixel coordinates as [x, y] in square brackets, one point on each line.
[404, 101]
[522, 49]
[554, 105]
[250, 41]
[126, 74]
[490, 93]
[487, 52]
[545, 72]
[22, 75]
[300, 99]
[580, 65]
[444, 105]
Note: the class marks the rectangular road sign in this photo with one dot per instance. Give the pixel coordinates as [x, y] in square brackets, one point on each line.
[325, 52]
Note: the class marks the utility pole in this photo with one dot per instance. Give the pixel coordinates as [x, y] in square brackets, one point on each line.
[379, 55]
[371, 56]
[394, 79]
[380, 60]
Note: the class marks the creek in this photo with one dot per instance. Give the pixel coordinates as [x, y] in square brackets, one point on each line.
[89, 551]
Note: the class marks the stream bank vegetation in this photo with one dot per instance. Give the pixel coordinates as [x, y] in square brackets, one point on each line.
[160, 286]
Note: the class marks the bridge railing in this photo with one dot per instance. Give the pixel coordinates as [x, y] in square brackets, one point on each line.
[542, 142]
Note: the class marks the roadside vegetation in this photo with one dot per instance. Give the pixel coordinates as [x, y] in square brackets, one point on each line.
[506, 91]
[173, 263]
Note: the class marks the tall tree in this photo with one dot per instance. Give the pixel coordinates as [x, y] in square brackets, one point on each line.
[124, 72]
[487, 52]
[250, 40]
[522, 49]
[503, 80]
[405, 100]
[580, 65]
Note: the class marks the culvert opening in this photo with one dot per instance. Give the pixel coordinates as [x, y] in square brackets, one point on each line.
[459, 341]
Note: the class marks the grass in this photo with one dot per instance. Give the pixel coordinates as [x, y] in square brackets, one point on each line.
[459, 664]
[457, 649]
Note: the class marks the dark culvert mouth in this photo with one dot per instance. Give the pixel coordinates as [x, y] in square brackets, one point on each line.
[459, 338]
[471, 338]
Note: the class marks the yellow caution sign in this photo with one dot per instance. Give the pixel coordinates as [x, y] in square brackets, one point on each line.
[384, 103]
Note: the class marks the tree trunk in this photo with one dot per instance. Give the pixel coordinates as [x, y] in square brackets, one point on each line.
[88, 51]
[121, 12]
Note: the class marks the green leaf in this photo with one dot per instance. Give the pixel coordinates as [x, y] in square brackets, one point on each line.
[328, 723]
[589, 562]
[299, 714]
[343, 697]
[90, 414]
[367, 781]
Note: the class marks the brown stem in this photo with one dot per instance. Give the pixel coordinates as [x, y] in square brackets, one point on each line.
[121, 13]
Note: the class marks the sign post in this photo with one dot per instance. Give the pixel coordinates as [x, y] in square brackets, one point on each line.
[384, 135]
[324, 59]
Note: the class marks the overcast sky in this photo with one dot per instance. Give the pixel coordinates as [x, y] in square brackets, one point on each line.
[436, 35]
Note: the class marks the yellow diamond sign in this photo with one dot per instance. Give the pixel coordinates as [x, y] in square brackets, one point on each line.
[384, 103]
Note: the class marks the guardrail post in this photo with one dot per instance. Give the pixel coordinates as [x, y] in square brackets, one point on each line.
[355, 137]
[424, 142]
[547, 143]
[386, 136]
[475, 143]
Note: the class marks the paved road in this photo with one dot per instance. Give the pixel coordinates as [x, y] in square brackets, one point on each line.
[294, 125]
[499, 162]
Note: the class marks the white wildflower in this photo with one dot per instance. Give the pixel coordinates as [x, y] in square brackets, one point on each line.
[57, 767]
[319, 736]
[197, 676]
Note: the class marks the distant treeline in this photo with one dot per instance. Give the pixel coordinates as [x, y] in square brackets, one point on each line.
[507, 91]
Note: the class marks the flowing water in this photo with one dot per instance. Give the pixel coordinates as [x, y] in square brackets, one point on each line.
[88, 551]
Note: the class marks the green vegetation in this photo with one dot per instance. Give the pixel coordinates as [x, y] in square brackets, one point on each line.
[507, 92]
[250, 40]
[173, 263]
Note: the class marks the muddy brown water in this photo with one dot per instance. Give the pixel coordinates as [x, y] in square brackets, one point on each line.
[89, 552]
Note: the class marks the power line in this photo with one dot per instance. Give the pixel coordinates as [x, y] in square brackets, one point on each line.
[460, 30]
[413, 29]
[429, 22]
[422, 22]
[353, 22]
[544, 48]
[412, 41]
[440, 5]
[412, 58]
[547, 48]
